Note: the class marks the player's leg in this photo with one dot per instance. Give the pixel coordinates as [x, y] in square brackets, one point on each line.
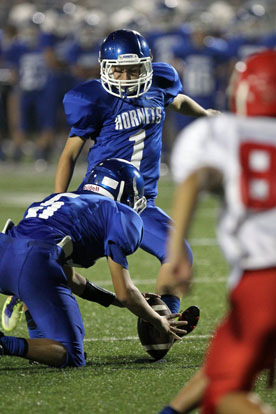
[51, 303]
[189, 397]
[45, 351]
[14, 253]
[20, 131]
[13, 307]
[12, 310]
[67, 351]
[47, 126]
[236, 354]
[53, 307]
[157, 225]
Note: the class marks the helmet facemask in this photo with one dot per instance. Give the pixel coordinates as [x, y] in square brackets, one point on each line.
[130, 88]
[132, 198]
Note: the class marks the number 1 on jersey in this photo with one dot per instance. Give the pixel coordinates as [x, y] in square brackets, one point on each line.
[138, 147]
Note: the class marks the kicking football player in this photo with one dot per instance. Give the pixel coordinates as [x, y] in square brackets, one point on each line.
[239, 152]
[123, 113]
[69, 229]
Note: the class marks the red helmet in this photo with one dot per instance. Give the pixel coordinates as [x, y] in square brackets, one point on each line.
[253, 85]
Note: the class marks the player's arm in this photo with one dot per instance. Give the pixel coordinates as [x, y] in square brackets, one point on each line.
[85, 289]
[184, 202]
[128, 294]
[187, 106]
[66, 163]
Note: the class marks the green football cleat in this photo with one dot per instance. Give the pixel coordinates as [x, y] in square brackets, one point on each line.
[11, 313]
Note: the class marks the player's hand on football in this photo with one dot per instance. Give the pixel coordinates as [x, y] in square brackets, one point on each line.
[178, 327]
[172, 327]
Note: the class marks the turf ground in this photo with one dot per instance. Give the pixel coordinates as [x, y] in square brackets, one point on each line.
[119, 376]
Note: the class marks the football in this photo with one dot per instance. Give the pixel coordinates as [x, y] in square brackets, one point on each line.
[154, 343]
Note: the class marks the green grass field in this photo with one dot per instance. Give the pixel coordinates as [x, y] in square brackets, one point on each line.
[119, 376]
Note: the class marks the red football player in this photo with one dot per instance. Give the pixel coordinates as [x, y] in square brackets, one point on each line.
[237, 154]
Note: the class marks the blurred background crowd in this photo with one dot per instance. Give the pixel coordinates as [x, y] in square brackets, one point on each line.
[48, 46]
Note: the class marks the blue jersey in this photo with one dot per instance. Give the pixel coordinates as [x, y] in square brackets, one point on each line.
[200, 70]
[30, 64]
[162, 42]
[130, 129]
[59, 80]
[85, 57]
[60, 45]
[241, 46]
[269, 40]
[97, 225]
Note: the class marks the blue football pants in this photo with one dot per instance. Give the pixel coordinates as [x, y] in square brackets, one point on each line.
[32, 270]
[157, 225]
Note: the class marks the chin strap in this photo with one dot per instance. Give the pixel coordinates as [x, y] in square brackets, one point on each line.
[67, 246]
[9, 224]
[140, 205]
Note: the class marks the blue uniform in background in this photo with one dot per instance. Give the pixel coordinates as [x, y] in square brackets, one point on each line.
[242, 46]
[33, 74]
[59, 81]
[31, 262]
[200, 74]
[130, 129]
[269, 40]
[86, 58]
[162, 42]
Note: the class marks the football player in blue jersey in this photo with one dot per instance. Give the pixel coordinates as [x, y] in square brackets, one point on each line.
[66, 230]
[123, 113]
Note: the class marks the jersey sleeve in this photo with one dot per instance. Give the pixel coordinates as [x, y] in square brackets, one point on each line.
[168, 80]
[124, 236]
[81, 114]
[200, 145]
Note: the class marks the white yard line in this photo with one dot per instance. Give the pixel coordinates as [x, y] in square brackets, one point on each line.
[135, 338]
[153, 281]
[20, 200]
